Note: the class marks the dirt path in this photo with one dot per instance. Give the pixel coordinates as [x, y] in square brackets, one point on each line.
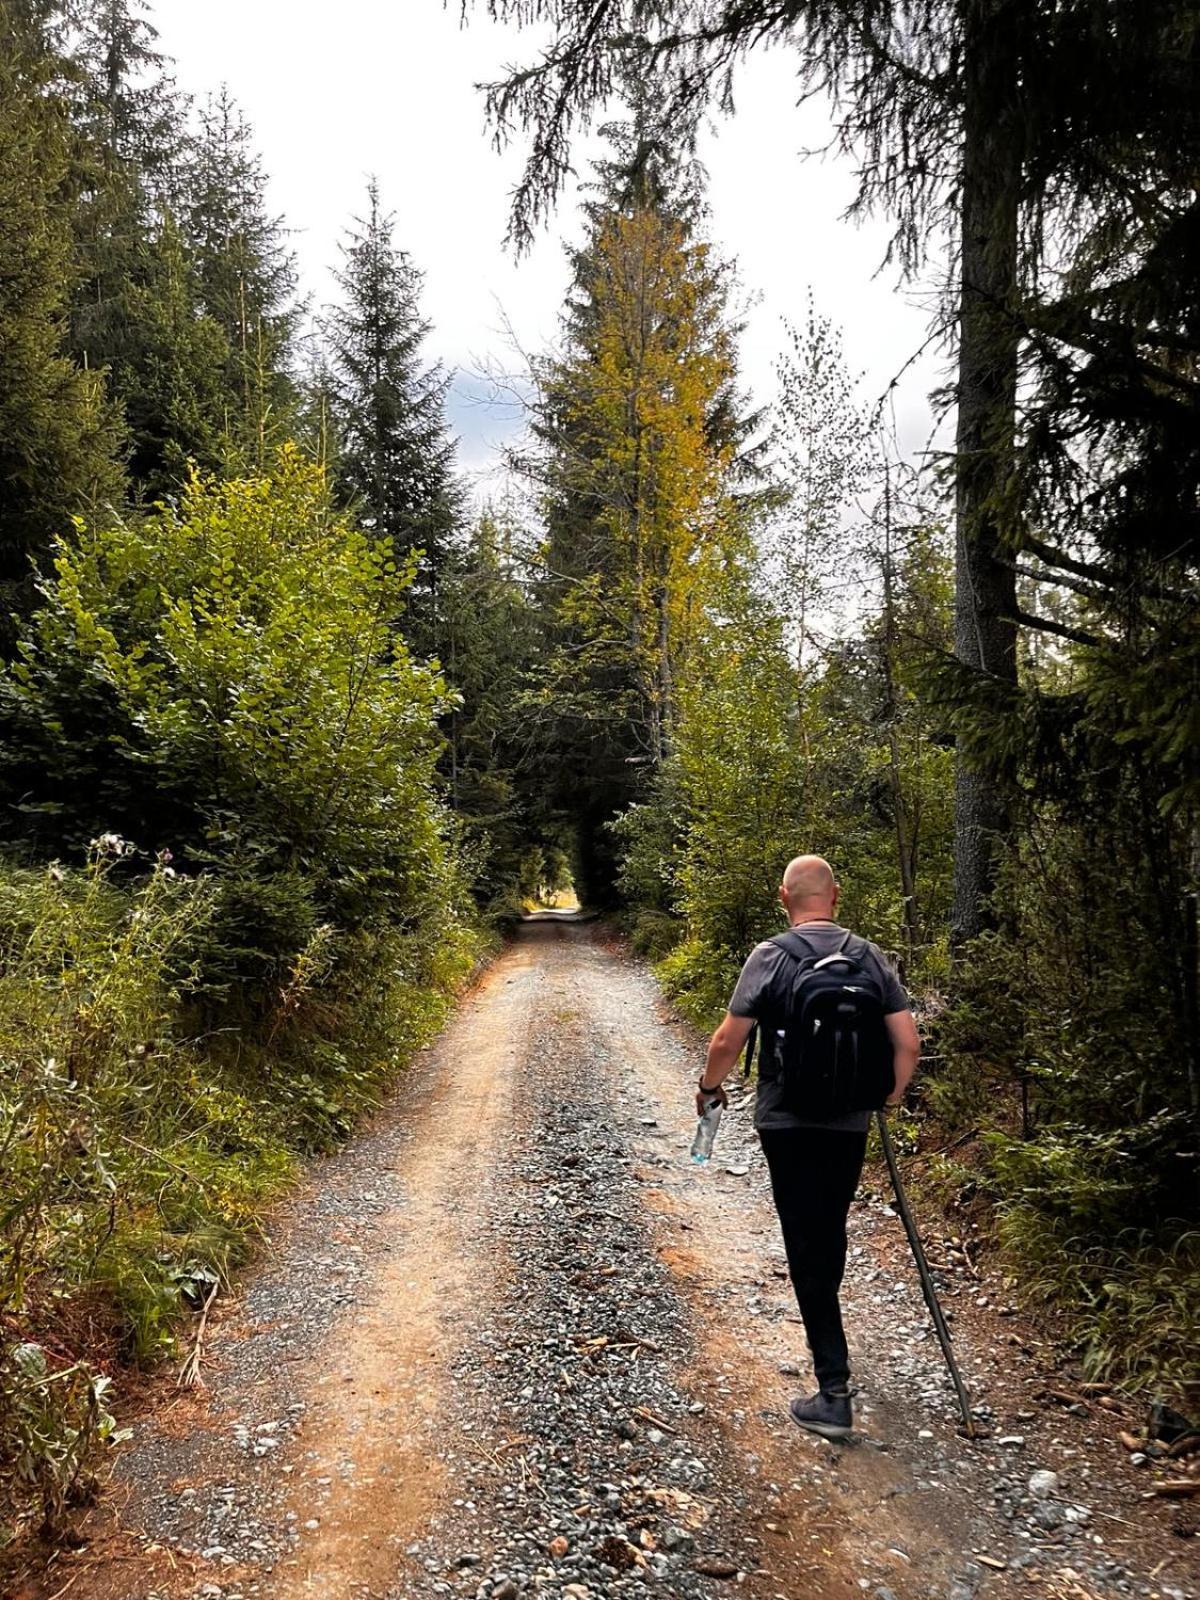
[510, 1342]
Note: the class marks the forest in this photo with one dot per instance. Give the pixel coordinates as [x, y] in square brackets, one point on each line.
[293, 726]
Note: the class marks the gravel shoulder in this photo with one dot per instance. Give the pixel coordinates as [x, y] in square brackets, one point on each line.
[511, 1342]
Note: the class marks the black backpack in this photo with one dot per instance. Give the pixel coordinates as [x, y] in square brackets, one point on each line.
[833, 1052]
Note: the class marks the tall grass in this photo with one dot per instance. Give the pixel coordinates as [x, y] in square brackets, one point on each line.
[137, 1154]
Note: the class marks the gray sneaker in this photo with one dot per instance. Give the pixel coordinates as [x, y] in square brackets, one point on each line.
[828, 1413]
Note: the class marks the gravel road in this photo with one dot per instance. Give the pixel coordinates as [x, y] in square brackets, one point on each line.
[510, 1342]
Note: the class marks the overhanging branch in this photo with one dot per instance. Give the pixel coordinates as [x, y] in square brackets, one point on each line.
[1060, 630]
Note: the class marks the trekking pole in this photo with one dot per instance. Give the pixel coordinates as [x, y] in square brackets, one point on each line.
[930, 1293]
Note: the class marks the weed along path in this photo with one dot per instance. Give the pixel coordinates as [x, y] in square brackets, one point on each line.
[509, 1342]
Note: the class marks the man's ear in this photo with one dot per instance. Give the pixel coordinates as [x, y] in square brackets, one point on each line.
[782, 898]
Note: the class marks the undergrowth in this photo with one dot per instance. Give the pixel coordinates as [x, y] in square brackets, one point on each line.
[139, 1149]
[1127, 1306]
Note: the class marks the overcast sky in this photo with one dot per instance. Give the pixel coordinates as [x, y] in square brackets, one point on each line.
[387, 87]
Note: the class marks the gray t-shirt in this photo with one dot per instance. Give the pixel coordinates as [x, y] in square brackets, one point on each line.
[756, 982]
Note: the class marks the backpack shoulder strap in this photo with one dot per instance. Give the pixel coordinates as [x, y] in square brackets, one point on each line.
[856, 950]
[793, 944]
[850, 950]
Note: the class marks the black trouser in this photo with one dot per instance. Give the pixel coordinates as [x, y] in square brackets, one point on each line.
[814, 1173]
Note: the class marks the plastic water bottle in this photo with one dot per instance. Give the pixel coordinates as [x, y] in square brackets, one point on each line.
[706, 1129]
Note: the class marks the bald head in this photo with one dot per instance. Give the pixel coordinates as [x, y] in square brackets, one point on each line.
[809, 886]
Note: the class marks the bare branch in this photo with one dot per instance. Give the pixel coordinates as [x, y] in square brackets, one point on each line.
[1059, 629]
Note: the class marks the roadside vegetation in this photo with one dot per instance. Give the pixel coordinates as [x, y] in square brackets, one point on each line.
[289, 729]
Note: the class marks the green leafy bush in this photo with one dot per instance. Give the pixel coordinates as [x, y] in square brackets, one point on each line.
[226, 683]
[53, 1422]
[99, 1131]
[137, 1157]
[699, 984]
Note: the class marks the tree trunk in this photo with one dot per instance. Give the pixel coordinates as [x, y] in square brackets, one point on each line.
[905, 850]
[985, 636]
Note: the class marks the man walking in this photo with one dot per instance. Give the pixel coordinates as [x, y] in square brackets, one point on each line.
[814, 1161]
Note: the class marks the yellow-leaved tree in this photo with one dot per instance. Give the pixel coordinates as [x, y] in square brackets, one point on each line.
[641, 463]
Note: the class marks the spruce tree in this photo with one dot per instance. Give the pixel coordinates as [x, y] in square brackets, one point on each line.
[130, 107]
[130, 124]
[395, 459]
[245, 275]
[58, 435]
[643, 442]
[169, 371]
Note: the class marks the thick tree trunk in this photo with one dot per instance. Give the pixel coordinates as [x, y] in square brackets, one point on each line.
[905, 831]
[985, 636]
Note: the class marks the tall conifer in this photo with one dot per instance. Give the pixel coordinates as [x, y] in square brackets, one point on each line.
[642, 439]
[129, 124]
[245, 274]
[58, 437]
[395, 459]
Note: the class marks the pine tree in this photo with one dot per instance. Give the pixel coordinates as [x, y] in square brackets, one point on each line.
[245, 276]
[58, 436]
[130, 123]
[395, 460]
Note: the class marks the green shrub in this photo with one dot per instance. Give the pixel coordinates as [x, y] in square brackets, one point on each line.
[1064, 1048]
[90, 1104]
[228, 682]
[654, 934]
[699, 980]
[54, 1420]
[137, 1157]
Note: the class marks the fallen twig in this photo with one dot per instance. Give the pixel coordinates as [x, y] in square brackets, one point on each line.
[1178, 1488]
[189, 1373]
[630, 1341]
[1112, 1517]
[648, 1416]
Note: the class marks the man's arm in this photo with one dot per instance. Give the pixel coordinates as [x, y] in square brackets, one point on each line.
[725, 1046]
[906, 1051]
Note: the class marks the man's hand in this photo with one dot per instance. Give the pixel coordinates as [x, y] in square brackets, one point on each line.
[703, 1096]
[724, 1048]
